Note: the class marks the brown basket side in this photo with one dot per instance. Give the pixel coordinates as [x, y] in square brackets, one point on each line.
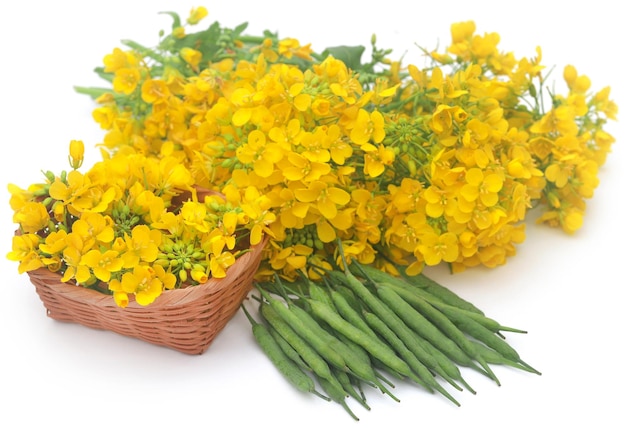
[186, 319]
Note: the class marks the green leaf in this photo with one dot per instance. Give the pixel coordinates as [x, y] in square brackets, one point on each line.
[238, 30]
[350, 55]
[142, 50]
[104, 75]
[175, 17]
[205, 41]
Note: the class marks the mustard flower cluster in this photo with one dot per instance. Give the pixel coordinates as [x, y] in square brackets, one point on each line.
[408, 166]
[129, 226]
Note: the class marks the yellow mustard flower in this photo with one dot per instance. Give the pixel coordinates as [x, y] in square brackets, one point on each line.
[436, 248]
[197, 14]
[140, 282]
[32, 217]
[103, 264]
[119, 59]
[126, 80]
[191, 57]
[219, 264]
[481, 186]
[54, 243]
[154, 91]
[142, 245]
[24, 251]
[94, 227]
[368, 126]
[262, 154]
[325, 198]
[72, 257]
[307, 150]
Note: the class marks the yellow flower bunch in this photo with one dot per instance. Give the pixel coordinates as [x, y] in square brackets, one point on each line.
[407, 166]
[129, 226]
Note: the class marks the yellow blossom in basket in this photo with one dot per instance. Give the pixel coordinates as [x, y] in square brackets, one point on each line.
[72, 257]
[20, 196]
[79, 194]
[199, 274]
[94, 228]
[32, 217]
[54, 243]
[67, 192]
[217, 240]
[142, 282]
[103, 264]
[134, 222]
[142, 245]
[194, 214]
[24, 250]
[223, 235]
[220, 263]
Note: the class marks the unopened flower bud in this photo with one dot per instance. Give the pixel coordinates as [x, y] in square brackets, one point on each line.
[77, 153]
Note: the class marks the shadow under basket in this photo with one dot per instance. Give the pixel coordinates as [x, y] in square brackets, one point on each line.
[184, 319]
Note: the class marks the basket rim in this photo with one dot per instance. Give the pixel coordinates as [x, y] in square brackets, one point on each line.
[168, 297]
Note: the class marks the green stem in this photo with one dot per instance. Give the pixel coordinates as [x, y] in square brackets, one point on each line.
[144, 50]
[251, 39]
[94, 93]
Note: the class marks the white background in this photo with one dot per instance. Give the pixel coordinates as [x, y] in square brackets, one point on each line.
[567, 291]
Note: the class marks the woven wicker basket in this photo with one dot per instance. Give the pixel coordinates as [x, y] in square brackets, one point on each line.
[185, 319]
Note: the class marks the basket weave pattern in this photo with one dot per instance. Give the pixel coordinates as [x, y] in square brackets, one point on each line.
[184, 319]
